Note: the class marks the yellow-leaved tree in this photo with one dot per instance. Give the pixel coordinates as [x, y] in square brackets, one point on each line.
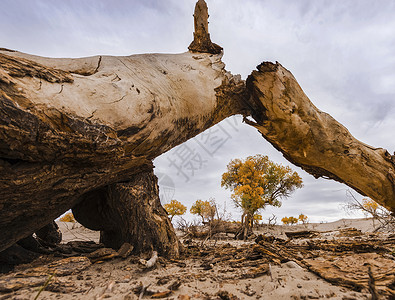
[175, 208]
[257, 182]
[205, 209]
[289, 220]
[68, 218]
[304, 219]
[370, 207]
[257, 217]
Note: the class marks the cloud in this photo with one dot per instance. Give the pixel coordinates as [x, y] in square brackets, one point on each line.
[80, 28]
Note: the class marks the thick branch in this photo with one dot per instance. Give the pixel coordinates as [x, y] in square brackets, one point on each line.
[201, 37]
[314, 140]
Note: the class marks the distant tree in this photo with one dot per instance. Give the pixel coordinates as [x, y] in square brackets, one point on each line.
[175, 208]
[370, 208]
[205, 209]
[69, 217]
[257, 182]
[271, 221]
[289, 220]
[303, 219]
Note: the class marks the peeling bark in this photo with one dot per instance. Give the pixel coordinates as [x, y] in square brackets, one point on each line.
[312, 139]
[19, 67]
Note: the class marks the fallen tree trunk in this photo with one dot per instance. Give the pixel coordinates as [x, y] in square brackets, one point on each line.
[312, 139]
[71, 126]
[62, 136]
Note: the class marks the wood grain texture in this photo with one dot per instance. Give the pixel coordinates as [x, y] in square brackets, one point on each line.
[63, 134]
[314, 140]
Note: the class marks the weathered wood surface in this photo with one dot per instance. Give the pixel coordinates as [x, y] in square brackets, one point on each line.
[62, 136]
[69, 126]
[314, 140]
[129, 213]
[201, 36]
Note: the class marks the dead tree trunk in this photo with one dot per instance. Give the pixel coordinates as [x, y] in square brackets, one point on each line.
[71, 126]
[312, 139]
[129, 212]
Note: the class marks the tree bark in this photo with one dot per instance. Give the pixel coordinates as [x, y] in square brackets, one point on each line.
[49, 235]
[129, 212]
[312, 139]
[245, 229]
[71, 126]
[201, 37]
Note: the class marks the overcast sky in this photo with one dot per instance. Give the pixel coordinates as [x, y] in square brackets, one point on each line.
[341, 52]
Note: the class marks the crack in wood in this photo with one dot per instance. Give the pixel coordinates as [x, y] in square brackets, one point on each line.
[98, 65]
[116, 101]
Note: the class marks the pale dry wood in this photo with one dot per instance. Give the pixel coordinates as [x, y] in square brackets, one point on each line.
[201, 37]
[151, 262]
[63, 134]
[314, 140]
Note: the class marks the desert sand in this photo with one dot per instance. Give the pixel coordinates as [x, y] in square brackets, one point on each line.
[211, 270]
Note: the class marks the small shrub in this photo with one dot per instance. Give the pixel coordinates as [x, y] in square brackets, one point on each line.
[289, 220]
[370, 208]
[303, 219]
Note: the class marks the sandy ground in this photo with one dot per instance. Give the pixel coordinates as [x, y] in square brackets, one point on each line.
[119, 278]
[75, 231]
